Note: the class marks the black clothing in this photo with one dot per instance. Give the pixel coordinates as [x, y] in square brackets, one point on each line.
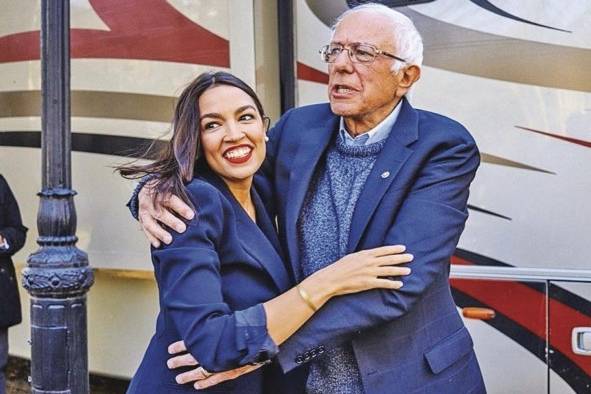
[13, 231]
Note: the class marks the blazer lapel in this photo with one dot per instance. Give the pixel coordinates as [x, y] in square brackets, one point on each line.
[260, 248]
[265, 223]
[265, 251]
[313, 143]
[383, 174]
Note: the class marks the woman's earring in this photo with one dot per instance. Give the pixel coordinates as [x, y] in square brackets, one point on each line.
[266, 139]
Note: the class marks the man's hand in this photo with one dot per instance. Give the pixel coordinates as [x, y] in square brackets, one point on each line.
[151, 215]
[199, 375]
[220, 377]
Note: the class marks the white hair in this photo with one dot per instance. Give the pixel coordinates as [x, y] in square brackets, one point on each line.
[407, 39]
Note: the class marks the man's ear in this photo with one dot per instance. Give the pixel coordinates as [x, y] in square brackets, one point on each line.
[408, 76]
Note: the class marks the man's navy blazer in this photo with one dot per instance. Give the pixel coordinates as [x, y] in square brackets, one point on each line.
[408, 340]
[222, 263]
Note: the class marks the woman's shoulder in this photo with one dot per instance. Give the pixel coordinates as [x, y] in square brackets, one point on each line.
[201, 187]
[206, 197]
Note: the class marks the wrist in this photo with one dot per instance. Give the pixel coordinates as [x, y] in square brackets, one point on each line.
[303, 293]
[318, 287]
[133, 203]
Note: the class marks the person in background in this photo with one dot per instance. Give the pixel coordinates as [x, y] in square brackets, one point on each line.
[12, 239]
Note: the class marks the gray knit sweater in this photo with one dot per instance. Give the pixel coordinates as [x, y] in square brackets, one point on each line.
[323, 228]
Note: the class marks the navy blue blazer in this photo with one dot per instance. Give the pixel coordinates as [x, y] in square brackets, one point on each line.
[408, 340]
[223, 263]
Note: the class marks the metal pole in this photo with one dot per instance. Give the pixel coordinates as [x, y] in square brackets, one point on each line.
[287, 75]
[57, 275]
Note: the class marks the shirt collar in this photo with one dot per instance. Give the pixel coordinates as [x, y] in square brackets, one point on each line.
[377, 134]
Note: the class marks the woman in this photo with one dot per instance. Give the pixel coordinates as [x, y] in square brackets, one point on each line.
[223, 287]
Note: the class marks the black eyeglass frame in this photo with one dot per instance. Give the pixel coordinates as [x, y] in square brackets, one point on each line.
[352, 48]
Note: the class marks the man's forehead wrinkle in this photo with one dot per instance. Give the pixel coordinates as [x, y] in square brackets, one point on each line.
[377, 33]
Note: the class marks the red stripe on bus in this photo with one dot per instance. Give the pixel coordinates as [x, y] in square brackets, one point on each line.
[307, 73]
[529, 312]
[563, 319]
[138, 29]
[586, 144]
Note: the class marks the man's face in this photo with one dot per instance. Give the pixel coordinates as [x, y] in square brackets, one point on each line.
[363, 93]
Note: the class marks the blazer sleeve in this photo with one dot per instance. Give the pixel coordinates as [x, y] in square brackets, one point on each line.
[189, 278]
[12, 229]
[429, 222]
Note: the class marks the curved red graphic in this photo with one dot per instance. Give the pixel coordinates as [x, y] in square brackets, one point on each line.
[307, 73]
[139, 29]
[563, 317]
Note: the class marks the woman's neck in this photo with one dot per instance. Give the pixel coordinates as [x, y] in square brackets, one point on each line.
[241, 192]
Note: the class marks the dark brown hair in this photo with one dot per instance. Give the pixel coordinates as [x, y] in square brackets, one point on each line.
[175, 162]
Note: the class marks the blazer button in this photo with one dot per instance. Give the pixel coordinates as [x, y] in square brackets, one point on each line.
[299, 360]
[321, 349]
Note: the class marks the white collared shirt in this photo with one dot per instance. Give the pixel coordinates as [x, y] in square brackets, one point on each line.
[377, 134]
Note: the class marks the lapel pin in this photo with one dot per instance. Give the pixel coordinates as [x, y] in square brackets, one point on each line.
[385, 174]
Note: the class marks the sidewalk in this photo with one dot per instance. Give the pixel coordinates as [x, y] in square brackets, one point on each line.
[17, 373]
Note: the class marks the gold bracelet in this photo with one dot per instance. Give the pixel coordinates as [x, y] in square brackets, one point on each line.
[306, 297]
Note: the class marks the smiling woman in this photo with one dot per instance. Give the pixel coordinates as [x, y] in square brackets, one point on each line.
[214, 109]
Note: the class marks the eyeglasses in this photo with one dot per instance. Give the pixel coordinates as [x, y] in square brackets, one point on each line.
[358, 53]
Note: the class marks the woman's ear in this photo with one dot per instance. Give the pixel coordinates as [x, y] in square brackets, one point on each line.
[266, 123]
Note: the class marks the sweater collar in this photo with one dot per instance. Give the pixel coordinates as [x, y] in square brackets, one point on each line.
[380, 132]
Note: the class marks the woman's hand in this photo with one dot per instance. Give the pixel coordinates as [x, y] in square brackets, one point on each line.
[359, 271]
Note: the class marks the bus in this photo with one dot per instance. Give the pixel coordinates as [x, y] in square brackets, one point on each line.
[516, 74]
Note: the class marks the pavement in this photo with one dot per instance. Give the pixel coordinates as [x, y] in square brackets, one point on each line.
[17, 377]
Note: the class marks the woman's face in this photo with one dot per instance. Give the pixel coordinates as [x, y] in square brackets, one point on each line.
[232, 133]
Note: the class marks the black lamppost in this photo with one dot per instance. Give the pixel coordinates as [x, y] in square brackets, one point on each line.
[57, 274]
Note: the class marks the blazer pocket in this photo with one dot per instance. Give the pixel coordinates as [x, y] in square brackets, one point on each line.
[449, 350]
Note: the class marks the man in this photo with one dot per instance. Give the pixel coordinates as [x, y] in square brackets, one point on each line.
[12, 239]
[369, 170]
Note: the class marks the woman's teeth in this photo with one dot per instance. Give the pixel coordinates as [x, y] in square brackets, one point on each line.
[238, 153]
